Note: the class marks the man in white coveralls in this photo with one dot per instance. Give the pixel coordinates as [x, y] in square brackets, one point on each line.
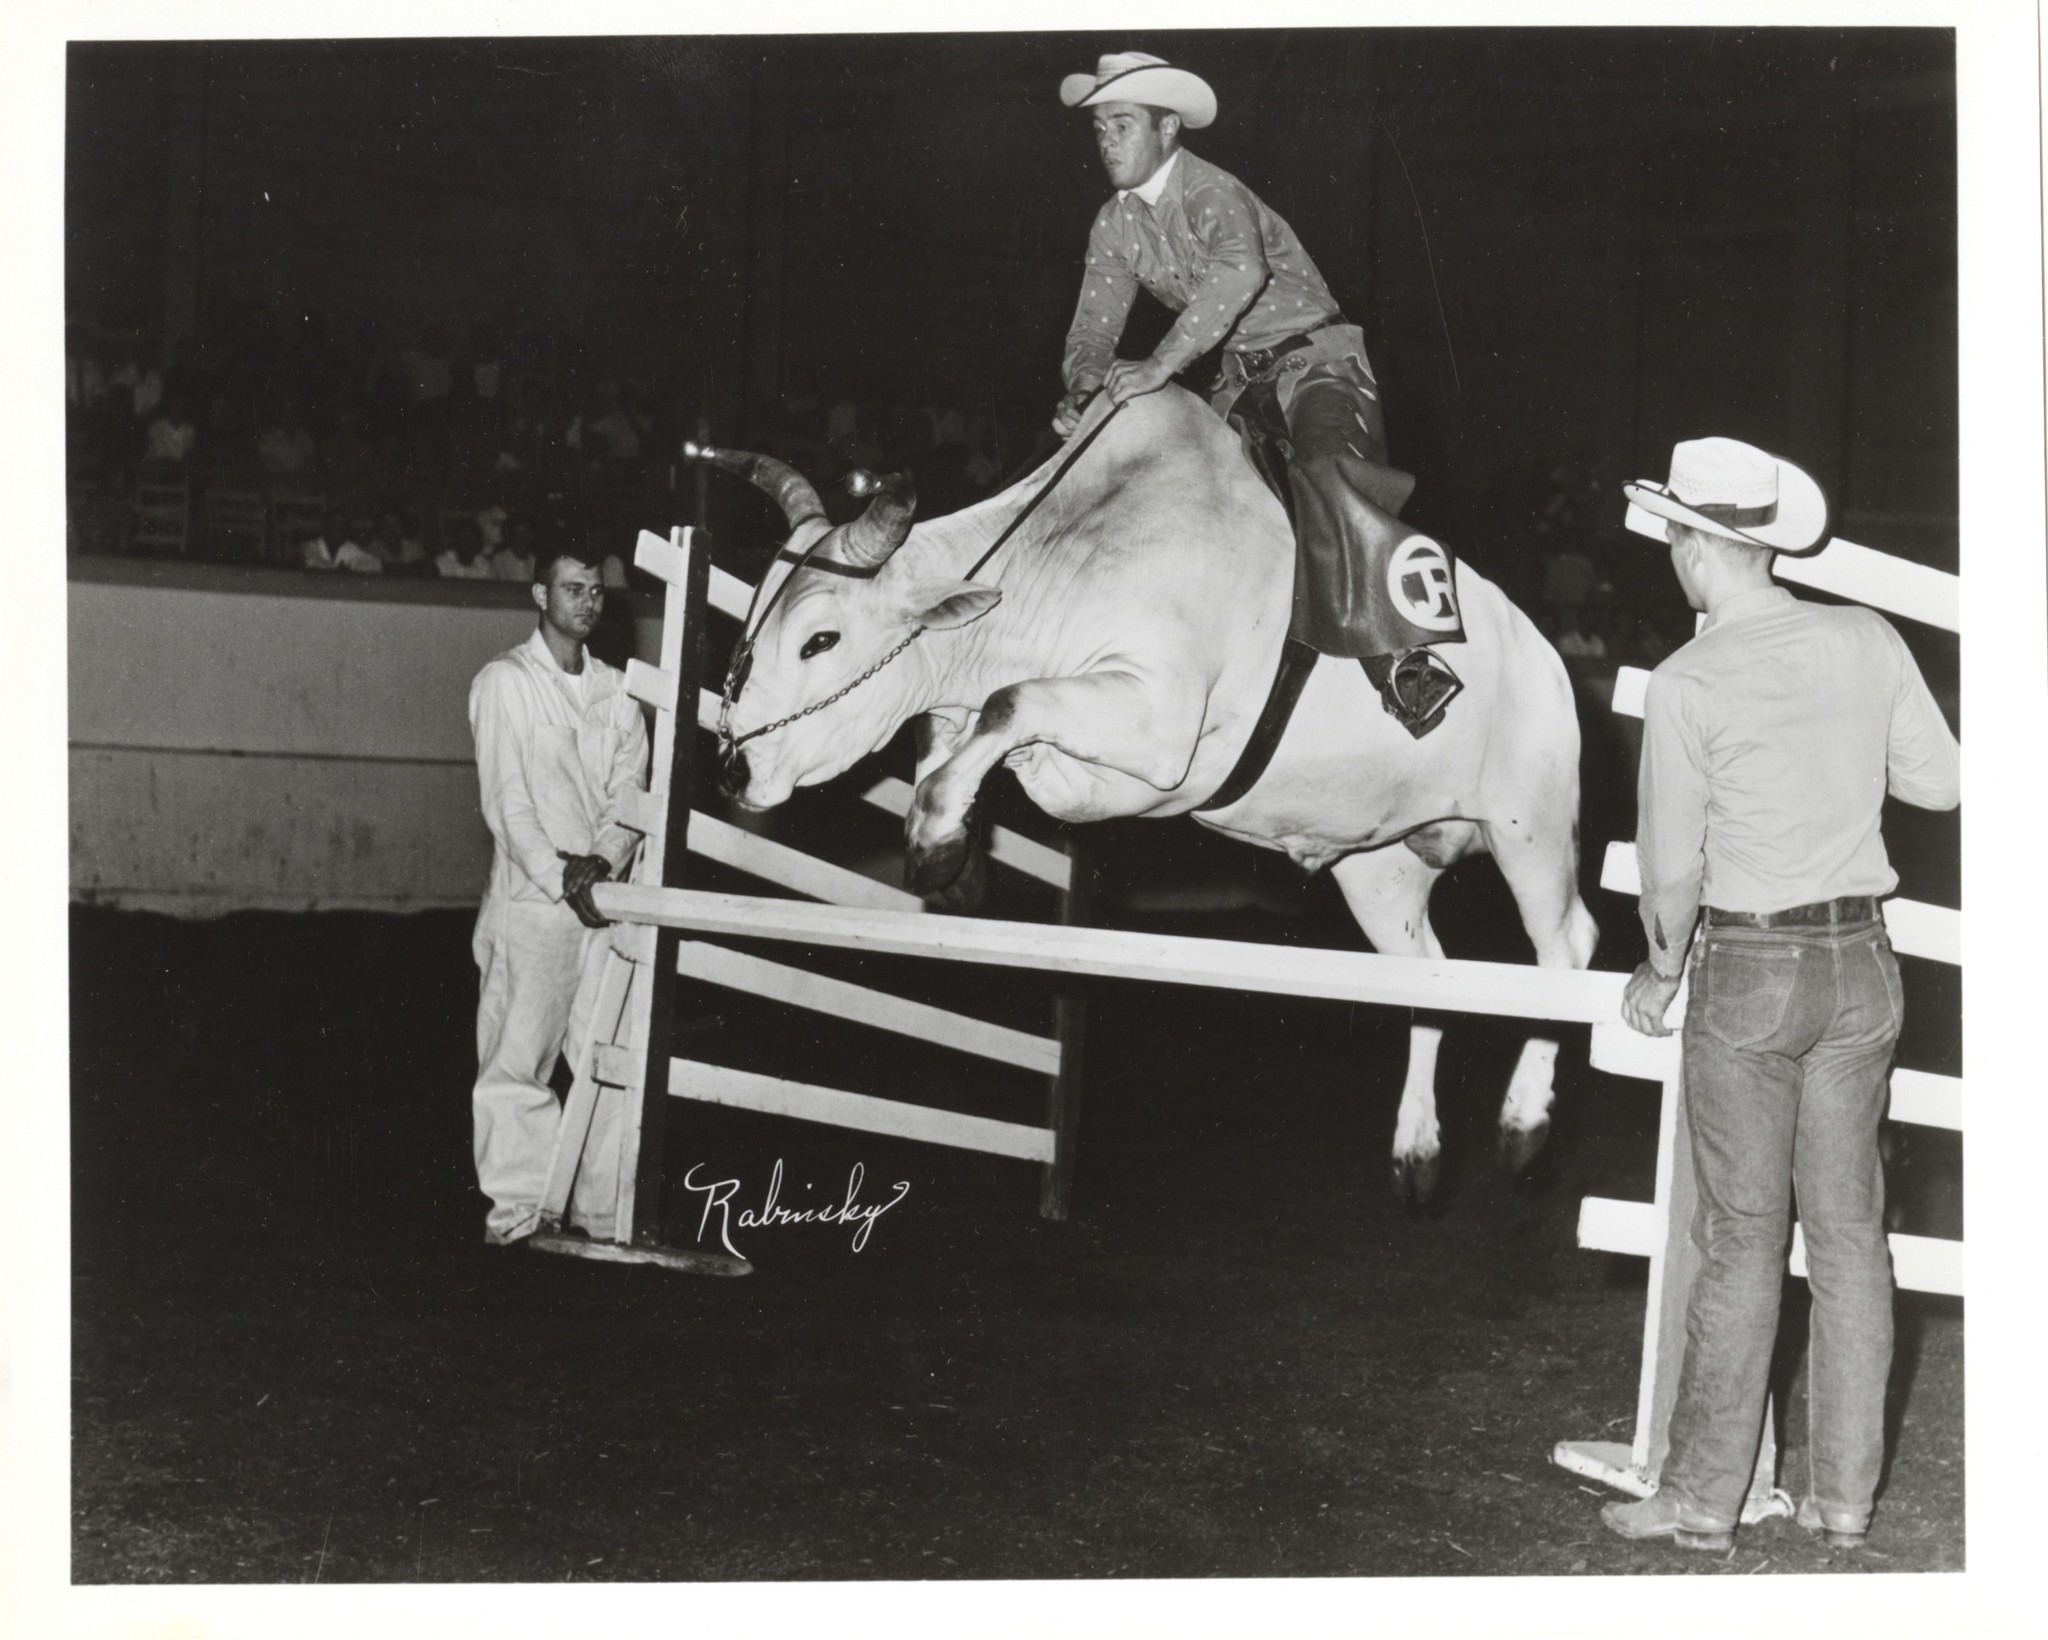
[558, 743]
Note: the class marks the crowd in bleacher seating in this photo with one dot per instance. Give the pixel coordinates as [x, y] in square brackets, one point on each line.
[282, 443]
[285, 445]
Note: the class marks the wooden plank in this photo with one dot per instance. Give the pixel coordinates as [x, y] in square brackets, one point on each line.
[1877, 578]
[634, 941]
[1920, 1264]
[1895, 585]
[1674, 1266]
[1510, 989]
[682, 648]
[644, 811]
[802, 989]
[660, 557]
[1631, 683]
[1621, 1050]
[618, 1066]
[1063, 1092]
[1917, 929]
[1927, 1100]
[614, 975]
[651, 685]
[729, 594]
[1921, 930]
[707, 710]
[1005, 847]
[1619, 869]
[774, 1096]
[682, 1260]
[1610, 1226]
[1610, 1462]
[792, 868]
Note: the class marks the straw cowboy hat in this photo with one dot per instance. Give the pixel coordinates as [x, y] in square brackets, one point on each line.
[1131, 76]
[1729, 488]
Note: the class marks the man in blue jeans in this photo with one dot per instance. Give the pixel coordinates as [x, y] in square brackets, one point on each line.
[1769, 744]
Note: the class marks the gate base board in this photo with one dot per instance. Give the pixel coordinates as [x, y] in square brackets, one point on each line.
[616, 1252]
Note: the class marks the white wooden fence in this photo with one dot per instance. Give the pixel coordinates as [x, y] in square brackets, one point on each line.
[627, 1058]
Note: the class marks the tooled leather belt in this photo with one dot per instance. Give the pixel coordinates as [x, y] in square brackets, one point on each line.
[1850, 908]
[1257, 364]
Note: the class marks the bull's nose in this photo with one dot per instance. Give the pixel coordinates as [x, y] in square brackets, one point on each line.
[732, 774]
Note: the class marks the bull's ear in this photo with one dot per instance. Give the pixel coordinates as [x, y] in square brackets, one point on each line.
[942, 604]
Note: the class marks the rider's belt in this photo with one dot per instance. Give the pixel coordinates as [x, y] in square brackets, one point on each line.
[1259, 364]
[1850, 908]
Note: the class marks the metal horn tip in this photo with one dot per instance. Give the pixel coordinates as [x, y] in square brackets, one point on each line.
[693, 451]
[861, 482]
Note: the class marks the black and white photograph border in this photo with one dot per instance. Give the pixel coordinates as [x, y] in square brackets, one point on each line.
[2003, 669]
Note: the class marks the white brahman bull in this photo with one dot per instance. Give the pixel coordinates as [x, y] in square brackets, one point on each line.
[1117, 653]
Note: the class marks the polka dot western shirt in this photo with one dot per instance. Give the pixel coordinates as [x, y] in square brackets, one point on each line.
[1208, 248]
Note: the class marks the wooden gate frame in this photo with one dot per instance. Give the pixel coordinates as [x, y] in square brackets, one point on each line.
[628, 1053]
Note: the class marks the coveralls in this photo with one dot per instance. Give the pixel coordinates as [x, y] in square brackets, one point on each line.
[554, 753]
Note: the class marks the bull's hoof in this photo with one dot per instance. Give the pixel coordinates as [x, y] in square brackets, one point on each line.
[934, 867]
[964, 895]
[1415, 1180]
[1521, 1146]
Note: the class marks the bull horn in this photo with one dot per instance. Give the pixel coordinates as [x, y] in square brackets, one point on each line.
[867, 542]
[787, 487]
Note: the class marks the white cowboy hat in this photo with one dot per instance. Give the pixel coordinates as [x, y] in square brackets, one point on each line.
[1131, 76]
[1729, 488]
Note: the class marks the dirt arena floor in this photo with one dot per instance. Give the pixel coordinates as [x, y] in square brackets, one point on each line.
[294, 1360]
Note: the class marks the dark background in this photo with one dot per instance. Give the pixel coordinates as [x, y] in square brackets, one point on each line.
[1568, 247]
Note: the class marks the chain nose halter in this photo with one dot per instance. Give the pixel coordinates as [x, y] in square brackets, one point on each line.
[741, 665]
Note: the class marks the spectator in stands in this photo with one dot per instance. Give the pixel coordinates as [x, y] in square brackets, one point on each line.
[484, 369]
[1576, 644]
[609, 435]
[348, 464]
[984, 462]
[946, 421]
[377, 384]
[514, 560]
[800, 420]
[490, 527]
[464, 559]
[429, 379]
[145, 385]
[430, 376]
[168, 442]
[395, 546]
[285, 446]
[349, 555]
[1568, 577]
[531, 443]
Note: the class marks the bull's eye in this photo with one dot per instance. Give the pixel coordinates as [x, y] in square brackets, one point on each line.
[816, 644]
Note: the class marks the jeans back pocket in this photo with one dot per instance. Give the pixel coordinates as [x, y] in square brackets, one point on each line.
[1748, 988]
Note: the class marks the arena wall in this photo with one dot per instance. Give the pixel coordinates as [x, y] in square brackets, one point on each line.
[255, 739]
